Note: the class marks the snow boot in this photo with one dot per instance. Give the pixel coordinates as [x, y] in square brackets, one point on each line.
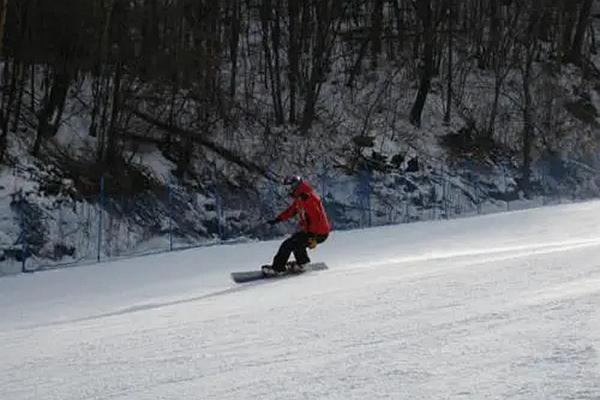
[296, 268]
[268, 270]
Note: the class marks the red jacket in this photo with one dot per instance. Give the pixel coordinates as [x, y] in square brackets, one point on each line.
[309, 208]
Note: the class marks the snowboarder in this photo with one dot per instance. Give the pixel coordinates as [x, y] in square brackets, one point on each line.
[314, 226]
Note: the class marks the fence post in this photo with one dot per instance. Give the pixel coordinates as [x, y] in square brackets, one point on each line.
[219, 212]
[364, 193]
[479, 192]
[100, 214]
[323, 178]
[505, 186]
[370, 214]
[444, 193]
[170, 206]
[24, 247]
[433, 201]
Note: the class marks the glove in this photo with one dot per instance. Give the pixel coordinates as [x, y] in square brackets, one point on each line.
[272, 221]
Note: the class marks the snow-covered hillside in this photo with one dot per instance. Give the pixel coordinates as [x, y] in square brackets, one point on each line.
[137, 159]
[502, 306]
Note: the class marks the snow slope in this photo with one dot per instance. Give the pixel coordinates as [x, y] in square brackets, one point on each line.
[499, 306]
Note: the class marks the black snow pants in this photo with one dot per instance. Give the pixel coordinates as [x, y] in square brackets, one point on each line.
[296, 244]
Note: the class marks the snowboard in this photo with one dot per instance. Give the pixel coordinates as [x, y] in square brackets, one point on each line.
[249, 276]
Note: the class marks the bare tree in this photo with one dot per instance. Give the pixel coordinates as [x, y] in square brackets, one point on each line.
[503, 39]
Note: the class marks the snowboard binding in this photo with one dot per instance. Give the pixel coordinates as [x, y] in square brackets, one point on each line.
[291, 267]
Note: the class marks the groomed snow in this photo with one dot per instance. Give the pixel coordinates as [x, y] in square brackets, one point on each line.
[502, 306]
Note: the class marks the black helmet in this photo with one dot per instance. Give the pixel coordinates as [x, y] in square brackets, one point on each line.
[292, 181]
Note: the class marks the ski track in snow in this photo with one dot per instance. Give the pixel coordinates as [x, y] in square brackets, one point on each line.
[495, 307]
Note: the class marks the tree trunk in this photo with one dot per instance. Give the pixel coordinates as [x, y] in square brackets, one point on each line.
[234, 45]
[111, 142]
[100, 87]
[4, 112]
[494, 42]
[399, 19]
[50, 115]
[568, 15]
[325, 36]
[528, 110]
[270, 56]
[450, 15]
[582, 24]
[19, 99]
[8, 97]
[498, 80]
[528, 127]
[358, 64]
[96, 97]
[103, 106]
[293, 55]
[276, 40]
[150, 34]
[376, 31]
[4, 11]
[32, 89]
[426, 17]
